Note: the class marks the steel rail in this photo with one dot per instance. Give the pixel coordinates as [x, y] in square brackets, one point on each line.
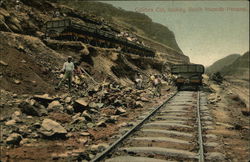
[136, 127]
[200, 140]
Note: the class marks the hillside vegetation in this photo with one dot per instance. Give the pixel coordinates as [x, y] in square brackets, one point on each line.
[133, 21]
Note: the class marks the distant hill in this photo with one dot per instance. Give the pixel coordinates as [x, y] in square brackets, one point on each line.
[222, 63]
[239, 68]
[134, 21]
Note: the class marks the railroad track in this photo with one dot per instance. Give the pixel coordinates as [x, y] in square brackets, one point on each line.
[170, 132]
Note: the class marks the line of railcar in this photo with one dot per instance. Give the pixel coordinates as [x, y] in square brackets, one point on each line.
[69, 30]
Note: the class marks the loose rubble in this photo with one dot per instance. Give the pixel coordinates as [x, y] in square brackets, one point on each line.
[14, 139]
[51, 128]
[69, 116]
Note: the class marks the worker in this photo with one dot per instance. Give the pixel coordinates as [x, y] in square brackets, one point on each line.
[68, 68]
[151, 79]
[138, 81]
[157, 86]
[79, 77]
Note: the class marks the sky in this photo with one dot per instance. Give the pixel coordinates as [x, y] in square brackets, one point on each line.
[204, 30]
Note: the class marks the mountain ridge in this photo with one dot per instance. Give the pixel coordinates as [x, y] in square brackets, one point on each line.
[218, 65]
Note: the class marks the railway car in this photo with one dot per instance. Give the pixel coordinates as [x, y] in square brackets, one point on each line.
[69, 30]
[188, 76]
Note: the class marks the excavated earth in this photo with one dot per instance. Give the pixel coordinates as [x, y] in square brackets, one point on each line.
[83, 139]
[41, 124]
[232, 120]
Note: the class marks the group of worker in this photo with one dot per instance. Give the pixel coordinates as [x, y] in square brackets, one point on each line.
[70, 69]
[155, 81]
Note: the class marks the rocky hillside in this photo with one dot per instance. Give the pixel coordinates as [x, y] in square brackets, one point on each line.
[239, 68]
[136, 22]
[220, 64]
[29, 62]
[43, 124]
[235, 75]
[234, 65]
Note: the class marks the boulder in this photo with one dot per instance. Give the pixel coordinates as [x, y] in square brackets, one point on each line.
[81, 104]
[16, 81]
[144, 99]
[50, 128]
[101, 123]
[138, 104]
[93, 105]
[10, 122]
[25, 141]
[16, 115]
[68, 99]
[29, 109]
[93, 111]
[83, 140]
[54, 104]
[85, 134]
[112, 119]
[90, 125]
[3, 63]
[70, 109]
[99, 147]
[86, 115]
[44, 99]
[78, 120]
[120, 110]
[2, 119]
[29, 117]
[36, 125]
[123, 124]
[100, 105]
[76, 116]
[14, 139]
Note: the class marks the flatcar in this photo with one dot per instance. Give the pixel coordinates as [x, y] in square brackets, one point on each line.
[70, 30]
[188, 76]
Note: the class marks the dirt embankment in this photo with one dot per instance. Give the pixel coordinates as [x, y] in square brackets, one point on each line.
[30, 65]
[33, 62]
[232, 121]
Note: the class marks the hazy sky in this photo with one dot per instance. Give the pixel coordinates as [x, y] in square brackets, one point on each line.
[205, 30]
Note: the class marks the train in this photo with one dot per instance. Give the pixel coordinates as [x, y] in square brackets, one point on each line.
[188, 76]
[67, 29]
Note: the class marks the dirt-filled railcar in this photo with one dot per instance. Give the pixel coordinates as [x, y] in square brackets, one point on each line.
[69, 30]
[188, 76]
